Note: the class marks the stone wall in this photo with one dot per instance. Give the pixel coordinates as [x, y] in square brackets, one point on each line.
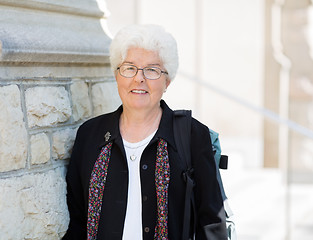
[54, 75]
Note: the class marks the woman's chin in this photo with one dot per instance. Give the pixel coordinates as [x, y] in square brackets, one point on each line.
[142, 105]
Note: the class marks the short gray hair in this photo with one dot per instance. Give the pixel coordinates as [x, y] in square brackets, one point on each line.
[149, 37]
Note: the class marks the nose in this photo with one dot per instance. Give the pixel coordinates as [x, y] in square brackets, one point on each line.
[139, 77]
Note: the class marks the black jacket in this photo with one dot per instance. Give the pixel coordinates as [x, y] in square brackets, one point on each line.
[88, 143]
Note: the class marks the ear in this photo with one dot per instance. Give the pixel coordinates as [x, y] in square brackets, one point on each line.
[168, 81]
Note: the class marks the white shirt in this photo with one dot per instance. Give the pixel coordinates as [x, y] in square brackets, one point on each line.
[133, 219]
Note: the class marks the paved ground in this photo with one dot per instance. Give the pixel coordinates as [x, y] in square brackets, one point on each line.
[265, 209]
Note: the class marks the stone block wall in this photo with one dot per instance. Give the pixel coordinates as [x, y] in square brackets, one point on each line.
[53, 77]
[38, 123]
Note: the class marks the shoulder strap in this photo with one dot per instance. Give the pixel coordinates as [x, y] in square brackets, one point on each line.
[182, 134]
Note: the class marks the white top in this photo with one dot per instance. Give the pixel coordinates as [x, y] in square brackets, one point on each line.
[133, 218]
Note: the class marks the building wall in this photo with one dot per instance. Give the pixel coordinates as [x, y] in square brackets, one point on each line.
[296, 37]
[54, 75]
[288, 87]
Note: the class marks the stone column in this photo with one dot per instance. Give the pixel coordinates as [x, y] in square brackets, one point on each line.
[54, 75]
[271, 92]
[298, 48]
[276, 83]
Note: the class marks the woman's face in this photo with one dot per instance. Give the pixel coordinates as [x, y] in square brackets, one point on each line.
[139, 93]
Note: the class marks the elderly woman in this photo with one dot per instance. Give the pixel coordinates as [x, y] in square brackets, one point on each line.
[125, 178]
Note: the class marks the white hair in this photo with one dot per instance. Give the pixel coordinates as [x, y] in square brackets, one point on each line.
[148, 37]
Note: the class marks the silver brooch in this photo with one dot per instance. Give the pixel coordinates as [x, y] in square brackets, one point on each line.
[107, 136]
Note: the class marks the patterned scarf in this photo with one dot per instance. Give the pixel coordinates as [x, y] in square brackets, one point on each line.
[97, 184]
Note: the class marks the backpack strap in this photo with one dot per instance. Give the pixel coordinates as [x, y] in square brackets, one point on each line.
[182, 134]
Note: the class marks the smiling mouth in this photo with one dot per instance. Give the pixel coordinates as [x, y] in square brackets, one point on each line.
[139, 91]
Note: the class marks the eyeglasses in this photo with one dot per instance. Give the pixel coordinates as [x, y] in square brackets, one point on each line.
[129, 71]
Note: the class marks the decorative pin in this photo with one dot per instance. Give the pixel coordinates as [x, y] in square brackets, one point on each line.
[107, 136]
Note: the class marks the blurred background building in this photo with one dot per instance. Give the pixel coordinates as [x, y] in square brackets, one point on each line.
[245, 70]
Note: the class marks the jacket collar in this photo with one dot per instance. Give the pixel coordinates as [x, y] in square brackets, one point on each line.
[111, 130]
[165, 130]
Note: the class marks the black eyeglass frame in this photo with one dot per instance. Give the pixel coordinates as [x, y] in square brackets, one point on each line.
[142, 69]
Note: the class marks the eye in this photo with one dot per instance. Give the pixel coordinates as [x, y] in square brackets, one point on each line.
[129, 68]
[152, 70]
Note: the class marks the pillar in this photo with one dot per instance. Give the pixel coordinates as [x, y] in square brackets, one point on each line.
[54, 75]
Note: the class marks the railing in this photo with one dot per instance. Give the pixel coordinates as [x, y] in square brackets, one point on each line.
[260, 110]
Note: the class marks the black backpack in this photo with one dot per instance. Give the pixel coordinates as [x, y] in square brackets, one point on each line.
[182, 134]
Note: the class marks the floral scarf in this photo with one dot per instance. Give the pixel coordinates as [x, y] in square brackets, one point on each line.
[97, 185]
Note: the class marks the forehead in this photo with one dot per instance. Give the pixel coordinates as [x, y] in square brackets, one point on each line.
[140, 56]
